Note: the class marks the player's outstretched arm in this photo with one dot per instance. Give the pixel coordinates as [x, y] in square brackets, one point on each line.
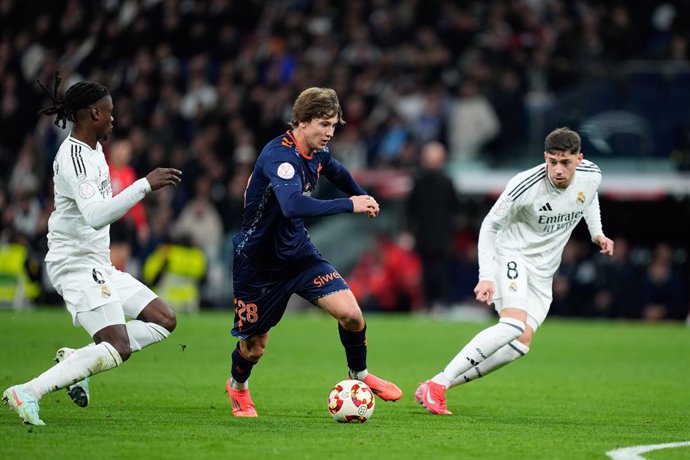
[161, 177]
[606, 244]
[99, 212]
[366, 204]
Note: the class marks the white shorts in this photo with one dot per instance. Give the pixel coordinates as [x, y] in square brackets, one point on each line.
[518, 286]
[86, 289]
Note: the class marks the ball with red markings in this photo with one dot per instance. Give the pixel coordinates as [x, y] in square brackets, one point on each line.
[351, 401]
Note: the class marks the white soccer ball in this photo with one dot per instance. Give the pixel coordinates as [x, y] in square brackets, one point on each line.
[351, 401]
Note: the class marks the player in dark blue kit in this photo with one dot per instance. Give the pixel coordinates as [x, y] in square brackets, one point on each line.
[274, 256]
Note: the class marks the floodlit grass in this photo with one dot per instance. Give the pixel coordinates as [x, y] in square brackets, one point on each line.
[584, 389]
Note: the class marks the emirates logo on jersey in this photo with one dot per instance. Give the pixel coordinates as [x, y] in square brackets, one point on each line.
[560, 221]
[580, 198]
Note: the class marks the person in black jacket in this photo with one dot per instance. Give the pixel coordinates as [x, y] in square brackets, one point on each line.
[431, 207]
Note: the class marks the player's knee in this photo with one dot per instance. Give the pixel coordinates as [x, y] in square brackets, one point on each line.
[512, 327]
[123, 348]
[116, 336]
[168, 320]
[351, 318]
[252, 351]
[160, 313]
[254, 354]
[353, 322]
[526, 337]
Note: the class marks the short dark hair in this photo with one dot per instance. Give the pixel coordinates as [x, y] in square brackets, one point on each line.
[563, 140]
[316, 103]
[78, 96]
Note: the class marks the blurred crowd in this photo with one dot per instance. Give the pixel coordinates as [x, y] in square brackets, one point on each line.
[203, 85]
[636, 283]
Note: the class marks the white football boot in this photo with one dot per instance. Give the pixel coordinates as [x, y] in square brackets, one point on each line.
[78, 392]
[23, 404]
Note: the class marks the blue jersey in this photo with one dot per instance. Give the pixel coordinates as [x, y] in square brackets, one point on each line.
[277, 201]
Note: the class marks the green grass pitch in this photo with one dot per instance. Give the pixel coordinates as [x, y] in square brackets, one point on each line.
[584, 389]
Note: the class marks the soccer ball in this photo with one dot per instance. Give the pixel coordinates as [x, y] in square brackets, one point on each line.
[351, 401]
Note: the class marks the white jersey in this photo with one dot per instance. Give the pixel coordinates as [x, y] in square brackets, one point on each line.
[79, 226]
[534, 218]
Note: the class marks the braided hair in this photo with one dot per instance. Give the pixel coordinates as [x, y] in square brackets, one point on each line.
[78, 96]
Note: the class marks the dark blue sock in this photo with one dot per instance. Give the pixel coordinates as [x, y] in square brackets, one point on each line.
[355, 344]
[241, 366]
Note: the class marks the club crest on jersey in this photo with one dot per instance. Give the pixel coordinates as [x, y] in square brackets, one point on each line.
[580, 198]
[513, 286]
[105, 292]
[502, 208]
[286, 171]
[86, 190]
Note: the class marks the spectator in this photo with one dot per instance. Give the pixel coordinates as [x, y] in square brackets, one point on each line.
[200, 222]
[472, 123]
[236, 66]
[431, 207]
[619, 280]
[662, 288]
[132, 230]
[387, 277]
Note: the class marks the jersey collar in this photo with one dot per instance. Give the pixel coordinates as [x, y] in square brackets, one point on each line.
[299, 149]
[77, 141]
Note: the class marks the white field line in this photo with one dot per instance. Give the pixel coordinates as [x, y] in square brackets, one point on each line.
[633, 453]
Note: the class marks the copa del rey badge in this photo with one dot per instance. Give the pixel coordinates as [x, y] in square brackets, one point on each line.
[286, 171]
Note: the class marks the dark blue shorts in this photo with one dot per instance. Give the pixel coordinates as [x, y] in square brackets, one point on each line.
[261, 296]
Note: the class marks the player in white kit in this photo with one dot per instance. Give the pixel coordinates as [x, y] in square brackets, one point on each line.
[98, 296]
[520, 245]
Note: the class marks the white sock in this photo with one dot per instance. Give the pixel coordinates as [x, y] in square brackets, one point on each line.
[142, 334]
[503, 356]
[238, 385]
[85, 361]
[358, 375]
[482, 345]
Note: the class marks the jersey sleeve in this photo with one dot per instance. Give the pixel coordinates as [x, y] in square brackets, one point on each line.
[592, 216]
[283, 173]
[592, 213]
[341, 177]
[81, 180]
[500, 215]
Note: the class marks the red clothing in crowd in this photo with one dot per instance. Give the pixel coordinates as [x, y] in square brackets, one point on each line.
[386, 277]
[120, 179]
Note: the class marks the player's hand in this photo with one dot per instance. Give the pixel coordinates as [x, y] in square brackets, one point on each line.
[605, 244]
[161, 177]
[484, 291]
[365, 204]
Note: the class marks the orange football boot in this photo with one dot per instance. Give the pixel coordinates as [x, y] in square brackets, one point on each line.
[242, 404]
[384, 389]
